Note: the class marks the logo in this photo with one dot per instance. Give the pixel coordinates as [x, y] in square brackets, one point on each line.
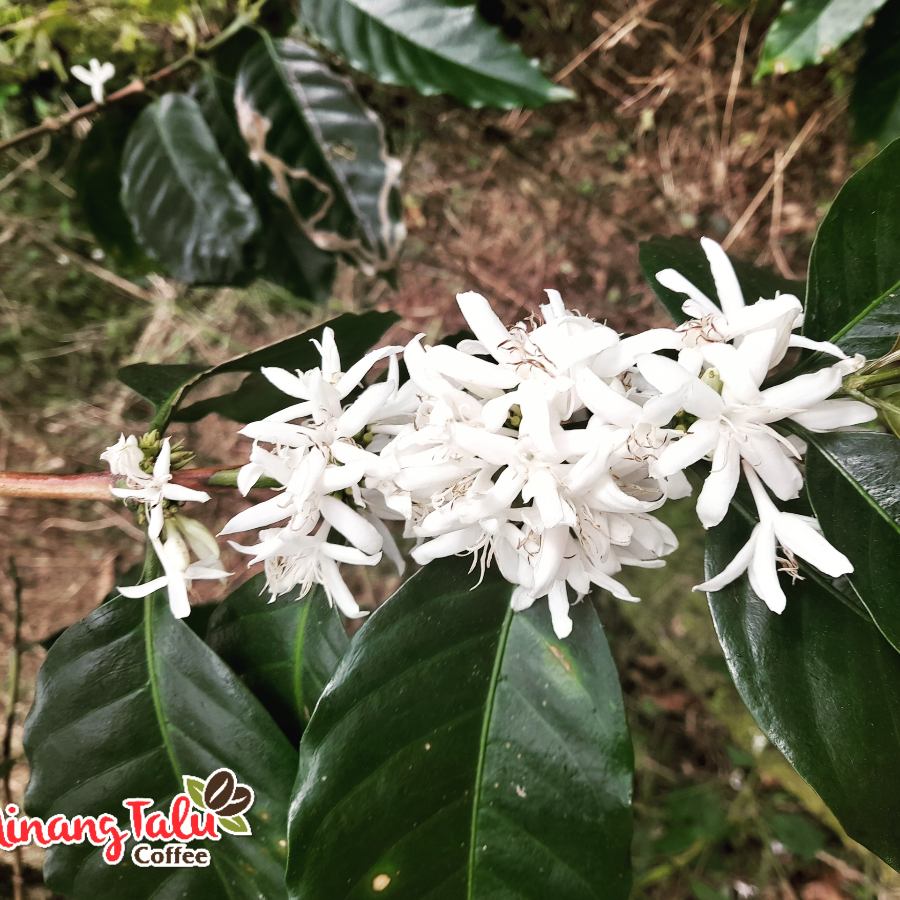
[200, 812]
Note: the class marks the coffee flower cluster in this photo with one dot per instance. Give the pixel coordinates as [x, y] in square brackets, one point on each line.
[545, 448]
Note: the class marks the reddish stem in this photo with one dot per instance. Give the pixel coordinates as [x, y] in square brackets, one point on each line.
[93, 486]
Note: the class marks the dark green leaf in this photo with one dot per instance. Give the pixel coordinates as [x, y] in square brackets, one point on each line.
[434, 46]
[798, 835]
[462, 750]
[852, 484]
[824, 685]
[166, 386]
[325, 151]
[281, 252]
[686, 256]
[853, 293]
[128, 701]
[285, 651]
[806, 31]
[186, 207]
[875, 101]
[98, 183]
[256, 397]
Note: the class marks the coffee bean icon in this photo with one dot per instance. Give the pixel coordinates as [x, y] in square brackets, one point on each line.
[224, 796]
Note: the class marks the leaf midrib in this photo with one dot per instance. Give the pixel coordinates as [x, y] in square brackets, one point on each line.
[482, 745]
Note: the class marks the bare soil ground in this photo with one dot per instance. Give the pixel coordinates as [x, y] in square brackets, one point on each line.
[668, 136]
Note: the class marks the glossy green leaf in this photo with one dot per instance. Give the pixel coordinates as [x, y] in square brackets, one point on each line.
[824, 685]
[686, 256]
[98, 183]
[875, 102]
[463, 751]
[128, 701]
[355, 334]
[186, 207]
[325, 151]
[285, 651]
[434, 46]
[806, 31]
[167, 386]
[853, 292]
[853, 487]
[281, 251]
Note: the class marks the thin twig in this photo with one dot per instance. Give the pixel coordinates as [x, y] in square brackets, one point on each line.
[137, 86]
[736, 73]
[123, 284]
[15, 654]
[778, 170]
[96, 485]
[775, 228]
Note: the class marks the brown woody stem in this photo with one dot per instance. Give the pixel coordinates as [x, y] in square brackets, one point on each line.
[96, 485]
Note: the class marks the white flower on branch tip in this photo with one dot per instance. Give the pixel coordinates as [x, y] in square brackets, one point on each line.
[732, 319]
[95, 77]
[149, 489]
[797, 535]
[325, 453]
[731, 430]
[181, 537]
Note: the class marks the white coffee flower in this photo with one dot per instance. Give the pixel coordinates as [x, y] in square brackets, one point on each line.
[95, 77]
[797, 535]
[180, 536]
[319, 451]
[152, 490]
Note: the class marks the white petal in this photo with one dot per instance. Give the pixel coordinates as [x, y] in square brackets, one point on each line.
[163, 462]
[85, 77]
[700, 440]
[544, 489]
[795, 534]
[143, 590]
[733, 570]
[351, 525]
[602, 400]
[199, 537]
[735, 372]
[727, 286]
[454, 364]
[550, 558]
[798, 340]
[337, 478]
[290, 413]
[756, 350]
[360, 369]
[275, 509]
[181, 493]
[721, 483]
[338, 592]
[521, 599]
[484, 322]
[771, 462]
[391, 550]
[617, 359]
[350, 555]
[675, 281]
[287, 383]
[763, 571]
[839, 413]
[804, 390]
[446, 545]
[496, 449]
[364, 410]
[248, 475]
[558, 599]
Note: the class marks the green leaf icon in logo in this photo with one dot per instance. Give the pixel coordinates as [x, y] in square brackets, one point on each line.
[193, 787]
[234, 824]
